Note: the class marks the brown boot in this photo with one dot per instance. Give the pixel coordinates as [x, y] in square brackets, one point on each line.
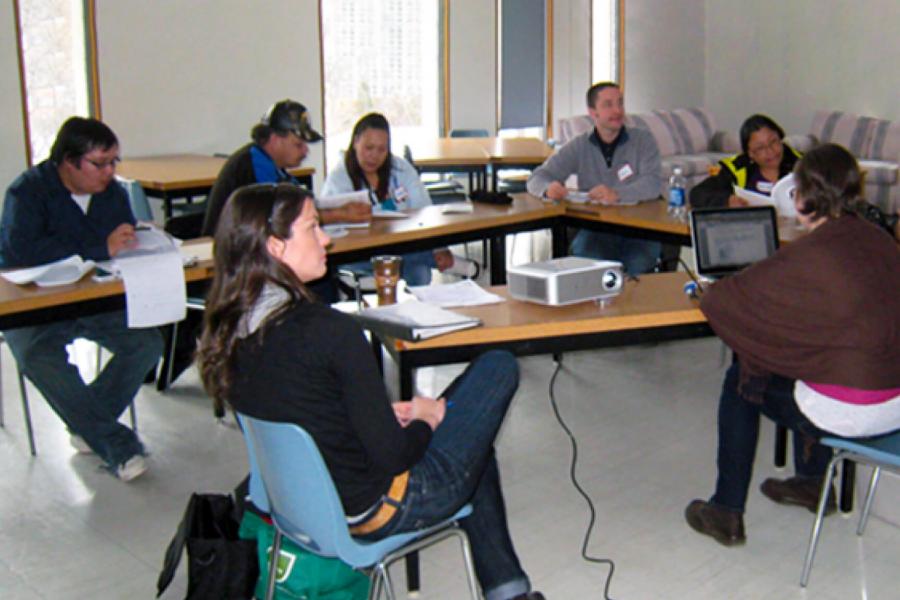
[798, 491]
[725, 526]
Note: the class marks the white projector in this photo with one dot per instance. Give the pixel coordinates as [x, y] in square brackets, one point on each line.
[566, 280]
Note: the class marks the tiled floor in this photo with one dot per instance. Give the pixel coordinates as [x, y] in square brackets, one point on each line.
[644, 418]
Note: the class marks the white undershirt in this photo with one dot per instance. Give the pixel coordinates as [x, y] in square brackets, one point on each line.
[844, 418]
[82, 200]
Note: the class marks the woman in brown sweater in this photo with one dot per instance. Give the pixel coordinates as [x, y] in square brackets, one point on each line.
[823, 310]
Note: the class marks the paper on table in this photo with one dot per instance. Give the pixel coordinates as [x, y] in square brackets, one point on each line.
[60, 272]
[460, 293]
[454, 208]
[414, 320]
[338, 200]
[380, 213]
[578, 197]
[155, 292]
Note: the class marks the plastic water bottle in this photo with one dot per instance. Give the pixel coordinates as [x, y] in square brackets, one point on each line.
[677, 194]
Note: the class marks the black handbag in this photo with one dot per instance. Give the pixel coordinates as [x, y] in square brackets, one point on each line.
[220, 565]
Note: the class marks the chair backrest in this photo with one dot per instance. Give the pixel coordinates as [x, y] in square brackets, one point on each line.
[292, 478]
[461, 133]
[140, 207]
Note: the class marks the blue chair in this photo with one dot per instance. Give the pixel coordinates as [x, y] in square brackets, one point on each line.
[289, 480]
[879, 452]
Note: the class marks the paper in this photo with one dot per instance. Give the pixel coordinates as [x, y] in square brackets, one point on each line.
[783, 196]
[381, 213]
[338, 200]
[457, 208]
[153, 273]
[578, 197]
[335, 230]
[459, 293]
[60, 272]
[414, 320]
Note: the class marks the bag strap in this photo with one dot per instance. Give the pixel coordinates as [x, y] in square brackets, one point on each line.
[176, 547]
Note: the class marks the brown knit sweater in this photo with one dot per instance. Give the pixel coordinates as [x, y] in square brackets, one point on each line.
[823, 309]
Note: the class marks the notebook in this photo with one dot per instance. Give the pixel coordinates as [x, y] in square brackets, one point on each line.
[726, 240]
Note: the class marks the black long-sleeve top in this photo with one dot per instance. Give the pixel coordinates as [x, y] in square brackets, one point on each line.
[315, 368]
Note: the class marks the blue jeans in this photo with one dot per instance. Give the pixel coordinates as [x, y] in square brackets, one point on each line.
[459, 467]
[91, 411]
[739, 432]
[415, 268]
[636, 255]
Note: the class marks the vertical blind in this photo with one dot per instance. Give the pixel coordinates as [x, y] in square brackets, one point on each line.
[522, 63]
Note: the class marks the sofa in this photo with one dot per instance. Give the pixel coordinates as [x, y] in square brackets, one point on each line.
[874, 142]
[686, 137]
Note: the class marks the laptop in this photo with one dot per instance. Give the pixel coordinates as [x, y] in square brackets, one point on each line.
[726, 240]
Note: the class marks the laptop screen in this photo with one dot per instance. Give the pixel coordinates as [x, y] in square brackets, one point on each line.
[728, 239]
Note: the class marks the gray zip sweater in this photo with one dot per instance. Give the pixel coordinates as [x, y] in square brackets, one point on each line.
[582, 157]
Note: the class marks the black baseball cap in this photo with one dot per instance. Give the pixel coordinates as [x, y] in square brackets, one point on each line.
[291, 116]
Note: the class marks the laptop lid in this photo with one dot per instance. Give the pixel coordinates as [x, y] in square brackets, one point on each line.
[726, 240]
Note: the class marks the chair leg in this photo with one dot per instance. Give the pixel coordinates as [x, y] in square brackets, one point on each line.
[388, 584]
[26, 411]
[781, 436]
[273, 565]
[413, 583]
[867, 505]
[820, 515]
[132, 410]
[470, 563]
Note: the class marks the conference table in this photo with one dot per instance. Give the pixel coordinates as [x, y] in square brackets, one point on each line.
[478, 155]
[172, 176]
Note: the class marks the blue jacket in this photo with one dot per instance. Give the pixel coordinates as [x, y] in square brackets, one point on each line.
[42, 223]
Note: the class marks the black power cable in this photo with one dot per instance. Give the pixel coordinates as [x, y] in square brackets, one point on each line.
[593, 519]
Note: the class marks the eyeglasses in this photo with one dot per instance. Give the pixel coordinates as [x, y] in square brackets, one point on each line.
[103, 165]
[772, 146]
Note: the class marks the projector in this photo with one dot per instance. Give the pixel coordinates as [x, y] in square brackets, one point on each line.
[566, 280]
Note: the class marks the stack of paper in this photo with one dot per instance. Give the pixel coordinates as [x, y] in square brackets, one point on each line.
[413, 320]
[60, 272]
[461, 293]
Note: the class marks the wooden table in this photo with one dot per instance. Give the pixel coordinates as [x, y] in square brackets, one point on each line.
[475, 154]
[171, 176]
[429, 228]
[653, 308]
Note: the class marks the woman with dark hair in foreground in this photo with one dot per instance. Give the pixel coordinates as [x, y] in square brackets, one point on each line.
[272, 352]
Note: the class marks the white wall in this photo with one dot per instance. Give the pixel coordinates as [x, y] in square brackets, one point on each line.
[12, 150]
[788, 59]
[664, 55]
[195, 76]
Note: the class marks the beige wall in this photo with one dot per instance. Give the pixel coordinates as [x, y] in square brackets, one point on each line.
[195, 76]
[788, 59]
[12, 150]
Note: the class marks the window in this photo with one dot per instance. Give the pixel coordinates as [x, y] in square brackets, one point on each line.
[383, 57]
[605, 41]
[53, 54]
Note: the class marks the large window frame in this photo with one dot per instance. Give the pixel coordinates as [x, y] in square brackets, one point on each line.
[441, 93]
[91, 83]
[617, 37]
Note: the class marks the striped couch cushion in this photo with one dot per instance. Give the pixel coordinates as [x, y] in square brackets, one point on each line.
[865, 137]
[678, 131]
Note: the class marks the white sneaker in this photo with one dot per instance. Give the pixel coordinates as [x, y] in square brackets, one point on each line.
[463, 267]
[132, 468]
[79, 444]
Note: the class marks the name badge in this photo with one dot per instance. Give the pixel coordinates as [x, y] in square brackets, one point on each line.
[765, 186]
[625, 172]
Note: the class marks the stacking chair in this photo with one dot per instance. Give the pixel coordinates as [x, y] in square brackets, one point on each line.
[289, 479]
[879, 452]
[26, 407]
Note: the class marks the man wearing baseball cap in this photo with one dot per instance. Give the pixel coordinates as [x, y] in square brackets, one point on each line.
[279, 143]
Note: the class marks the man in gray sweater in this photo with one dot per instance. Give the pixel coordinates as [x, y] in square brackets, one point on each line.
[613, 166]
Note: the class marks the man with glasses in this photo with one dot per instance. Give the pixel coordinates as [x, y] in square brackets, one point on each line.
[71, 204]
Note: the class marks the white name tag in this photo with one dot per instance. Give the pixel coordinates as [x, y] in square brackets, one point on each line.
[625, 172]
[765, 186]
